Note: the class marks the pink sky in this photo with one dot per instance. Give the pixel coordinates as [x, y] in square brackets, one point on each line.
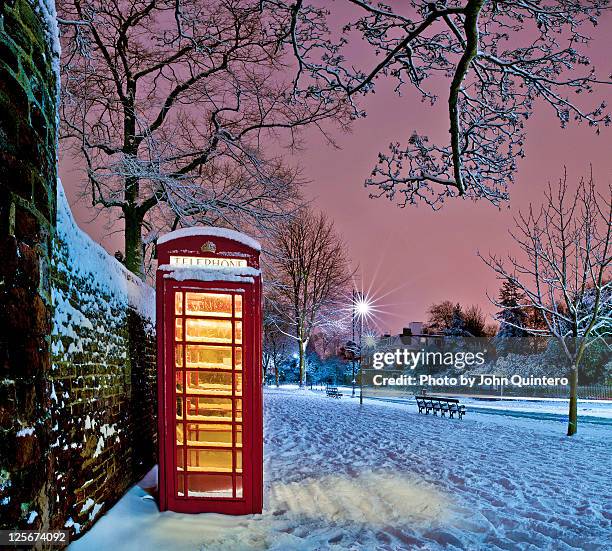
[415, 256]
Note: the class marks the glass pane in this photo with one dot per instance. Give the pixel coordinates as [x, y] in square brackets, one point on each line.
[238, 407]
[178, 302]
[238, 305]
[208, 357]
[208, 304]
[209, 382]
[179, 382]
[209, 330]
[239, 486]
[180, 458]
[178, 355]
[238, 461]
[238, 383]
[209, 485]
[238, 435]
[179, 433]
[238, 328]
[209, 460]
[209, 435]
[178, 331]
[209, 409]
[238, 359]
[179, 407]
[180, 480]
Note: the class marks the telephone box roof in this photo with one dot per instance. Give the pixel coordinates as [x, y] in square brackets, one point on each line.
[211, 231]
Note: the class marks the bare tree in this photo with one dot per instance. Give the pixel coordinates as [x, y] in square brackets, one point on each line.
[169, 103]
[309, 274]
[442, 315]
[564, 272]
[328, 342]
[498, 56]
[451, 318]
[475, 322]
[276, 343]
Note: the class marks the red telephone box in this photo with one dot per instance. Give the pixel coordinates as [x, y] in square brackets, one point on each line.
[209, 372]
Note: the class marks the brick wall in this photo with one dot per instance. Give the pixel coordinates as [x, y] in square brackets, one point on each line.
[103, 376]
[77, 355]
[28, 95]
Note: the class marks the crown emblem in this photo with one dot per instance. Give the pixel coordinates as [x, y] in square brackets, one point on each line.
[209, 247]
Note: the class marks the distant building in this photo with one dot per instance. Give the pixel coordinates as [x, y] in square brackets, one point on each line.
[413, 336]
[414, 328]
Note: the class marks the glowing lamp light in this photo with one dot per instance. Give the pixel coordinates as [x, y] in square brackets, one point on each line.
[365, 307]
[370, 340]
[362, 307]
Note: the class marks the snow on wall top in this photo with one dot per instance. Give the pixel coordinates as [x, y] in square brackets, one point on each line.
[212, 231]
[87, 257]
[46, 8]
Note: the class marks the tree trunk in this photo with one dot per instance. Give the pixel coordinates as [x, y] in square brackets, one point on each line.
[134, 260]
[572, 426]
[276, 372]
[267, 358]
[302, 347]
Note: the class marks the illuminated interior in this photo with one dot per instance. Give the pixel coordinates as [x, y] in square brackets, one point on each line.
[208, 385]
[213, 304]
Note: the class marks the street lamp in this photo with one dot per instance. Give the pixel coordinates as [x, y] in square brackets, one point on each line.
[362, 308]
[353, 315]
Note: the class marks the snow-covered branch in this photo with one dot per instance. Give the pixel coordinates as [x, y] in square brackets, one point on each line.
[493, 85]
[172, 105]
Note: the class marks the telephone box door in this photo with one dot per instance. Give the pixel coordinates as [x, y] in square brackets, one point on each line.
[209, 428]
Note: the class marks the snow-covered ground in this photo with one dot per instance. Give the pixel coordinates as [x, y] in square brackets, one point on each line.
[589, 411]
[383, 477]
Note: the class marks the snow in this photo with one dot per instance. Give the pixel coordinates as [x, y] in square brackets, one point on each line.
[89, 258]
[70, 523]
[382, 477]
[89, 503]
[99, 447]
[53, 395]
[107, 431]
[211, 231]
[588, 410]
[241, 274]
[32, 517]
[47, 9]
[95, 510]
[27, 431]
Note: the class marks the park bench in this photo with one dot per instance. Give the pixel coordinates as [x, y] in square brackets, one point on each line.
[437, 404]
[332, 392]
